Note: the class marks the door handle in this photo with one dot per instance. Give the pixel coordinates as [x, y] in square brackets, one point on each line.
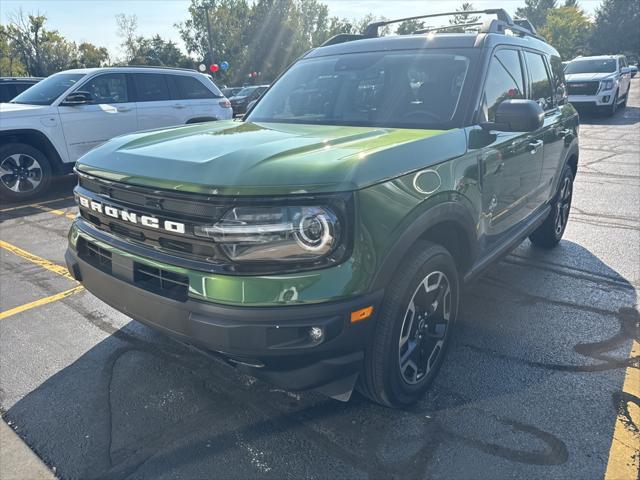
[534, 146]
[565, 133]
[179, 105]
[124, 109]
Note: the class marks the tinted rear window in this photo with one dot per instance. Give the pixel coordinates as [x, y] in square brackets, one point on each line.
[151, 87]
[189, 88]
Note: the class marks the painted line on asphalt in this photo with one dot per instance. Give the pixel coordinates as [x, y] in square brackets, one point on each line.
[62, 213]
[624, 455]
[53, 267]
[10, 209]
[42, 301]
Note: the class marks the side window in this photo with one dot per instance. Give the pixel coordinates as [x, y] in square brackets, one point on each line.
[541, 90]
[559, 86]
[623, 62]
[151, 87]
[504, 81]
[107, 88]
[189, 88]
[7, 92]
[21, 87]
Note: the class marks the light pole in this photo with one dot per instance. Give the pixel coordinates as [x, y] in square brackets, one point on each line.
[206, 13]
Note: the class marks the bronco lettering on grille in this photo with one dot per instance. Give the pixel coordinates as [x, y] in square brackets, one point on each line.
[131, 217]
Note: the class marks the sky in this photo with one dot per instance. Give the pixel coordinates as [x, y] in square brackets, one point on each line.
[94, 20]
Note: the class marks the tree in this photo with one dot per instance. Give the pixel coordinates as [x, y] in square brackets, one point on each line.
[536, 11]
[10, 64]
[127, 28]
[616, 28]
[463, 17]
[568, 30]
[41, 51]
[409, 26]
[90, 56]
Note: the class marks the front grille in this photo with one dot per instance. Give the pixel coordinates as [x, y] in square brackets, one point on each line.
[161, 282]
[189, 211]
[583, 88]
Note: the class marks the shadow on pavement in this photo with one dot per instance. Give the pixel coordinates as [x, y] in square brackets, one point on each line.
[628, 116]
[59, 196]
[138, 405]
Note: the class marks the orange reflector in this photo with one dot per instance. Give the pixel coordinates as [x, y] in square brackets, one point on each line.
[361, 314]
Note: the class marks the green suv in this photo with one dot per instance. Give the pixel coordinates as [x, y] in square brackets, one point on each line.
[322, 242]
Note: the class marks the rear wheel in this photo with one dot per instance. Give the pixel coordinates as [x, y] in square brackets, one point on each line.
[549, 234]
[413, 329]
[25, 172]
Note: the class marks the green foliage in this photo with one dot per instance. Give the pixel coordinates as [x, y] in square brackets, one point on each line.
[536, 11]
[409, 26]
[568, 30]
[463, 17]
[90, 56]
[263, 36]
[616, 28]
[10, 64]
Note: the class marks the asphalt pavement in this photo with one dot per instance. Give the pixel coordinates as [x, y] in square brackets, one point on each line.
[541, 380]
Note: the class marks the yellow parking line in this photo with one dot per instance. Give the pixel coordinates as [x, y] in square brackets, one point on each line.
[59, 269]
[624, 455]
[42, 301]
[71, 216]
[31, 205]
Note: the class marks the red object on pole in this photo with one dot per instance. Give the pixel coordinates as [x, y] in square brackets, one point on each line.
[214, 68]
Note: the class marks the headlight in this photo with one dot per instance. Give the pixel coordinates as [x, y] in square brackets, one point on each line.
[276, 234]
[606, 85]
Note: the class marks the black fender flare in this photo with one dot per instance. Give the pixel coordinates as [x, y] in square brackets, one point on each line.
[201, 120]
[450, 211]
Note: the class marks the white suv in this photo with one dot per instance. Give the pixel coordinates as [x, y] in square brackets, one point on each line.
[601, 82]
[45, 129]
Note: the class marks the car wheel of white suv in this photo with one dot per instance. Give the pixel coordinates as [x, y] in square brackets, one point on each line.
[25, 172]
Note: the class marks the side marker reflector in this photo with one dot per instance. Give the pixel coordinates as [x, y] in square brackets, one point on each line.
[361, 314]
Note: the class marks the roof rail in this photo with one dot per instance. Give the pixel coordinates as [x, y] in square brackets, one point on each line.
[342, 38]
[448, 27]
[372, 29]
[154, 66]
[501, 24]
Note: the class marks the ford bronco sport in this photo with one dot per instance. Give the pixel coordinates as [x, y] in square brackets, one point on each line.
[322, 242]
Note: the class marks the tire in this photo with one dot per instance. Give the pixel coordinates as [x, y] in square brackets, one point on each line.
[25, 172]
[427, 275]
[549, 234]
[613, 108]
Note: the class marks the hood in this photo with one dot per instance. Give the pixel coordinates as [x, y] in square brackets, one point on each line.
[13, 110]
[238, 158]
[587, 77]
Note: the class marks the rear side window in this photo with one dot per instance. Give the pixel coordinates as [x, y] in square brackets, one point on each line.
[107, 88]
[189, 88]
[21, 87]
[504, 81]
[151, 87]
[7, 92]
[541, 90]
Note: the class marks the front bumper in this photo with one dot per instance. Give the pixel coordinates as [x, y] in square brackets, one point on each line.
[272, 343]
[602, 99]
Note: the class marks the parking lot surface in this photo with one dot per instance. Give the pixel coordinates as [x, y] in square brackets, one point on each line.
[542, 380]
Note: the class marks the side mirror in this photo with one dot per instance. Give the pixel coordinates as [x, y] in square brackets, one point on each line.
[515, 115]
[625, 70]
[77, 98]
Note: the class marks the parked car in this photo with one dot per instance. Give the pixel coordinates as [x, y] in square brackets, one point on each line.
[45, 129]
[244, 97]
[322, 242]
[634, 70]
[231, 91]
[602, 82]
[13, 86]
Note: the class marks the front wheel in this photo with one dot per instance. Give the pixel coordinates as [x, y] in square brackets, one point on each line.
[413, 329]
[25, 172]
[549, 234]
[611, 110]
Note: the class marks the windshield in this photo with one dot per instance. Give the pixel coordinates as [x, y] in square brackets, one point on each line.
[245, 92]
[404, 89]
[46, 91]
[592, 66]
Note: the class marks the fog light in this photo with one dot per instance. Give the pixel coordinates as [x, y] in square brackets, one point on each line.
[605, 99]
[316, 334]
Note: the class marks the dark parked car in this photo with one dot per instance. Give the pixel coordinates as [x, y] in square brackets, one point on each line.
[244, 97]
[11, 87]
[231, 91]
